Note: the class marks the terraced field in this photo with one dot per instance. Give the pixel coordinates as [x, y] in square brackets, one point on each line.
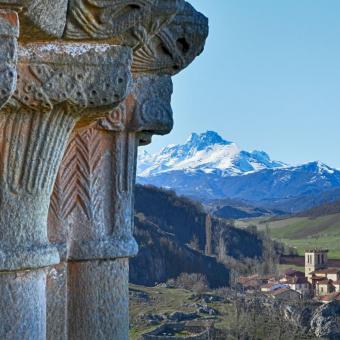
[303, 232]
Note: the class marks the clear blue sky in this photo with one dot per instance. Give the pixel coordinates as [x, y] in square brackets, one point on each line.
[269, 79]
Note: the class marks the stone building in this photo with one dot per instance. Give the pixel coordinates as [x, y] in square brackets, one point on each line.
[285, 294]
[323, 280]
[300, 285]
[83, 84]
[315, 259]
[323, 287]
[336, 285]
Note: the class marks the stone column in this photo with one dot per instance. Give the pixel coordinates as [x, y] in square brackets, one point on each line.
[94, 210]
[98, 251]
[91, 214]
[58, 85]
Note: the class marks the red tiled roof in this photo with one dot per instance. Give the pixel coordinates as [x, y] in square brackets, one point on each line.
[296, 279]
[318, 278]
[327, 271]
[330, 297]
[253, 278]
[280, 291]
[324, 282]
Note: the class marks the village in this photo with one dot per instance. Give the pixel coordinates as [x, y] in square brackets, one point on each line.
[318, 282]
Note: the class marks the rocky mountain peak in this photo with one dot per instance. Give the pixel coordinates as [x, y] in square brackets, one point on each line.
[207, 152]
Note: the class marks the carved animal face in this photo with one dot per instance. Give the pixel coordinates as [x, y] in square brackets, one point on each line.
[175, 46]
[146, 110]
[151, 106]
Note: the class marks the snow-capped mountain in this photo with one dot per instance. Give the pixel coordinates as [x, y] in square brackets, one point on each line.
[207, 167]
[207, 152]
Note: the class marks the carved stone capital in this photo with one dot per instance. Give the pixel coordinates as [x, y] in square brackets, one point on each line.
[9, 31]
[166, 35]
[58, 85]
[86, 80]
[175, 45]
[124, 22]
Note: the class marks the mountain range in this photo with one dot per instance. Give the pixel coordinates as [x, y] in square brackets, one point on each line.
[209, 168]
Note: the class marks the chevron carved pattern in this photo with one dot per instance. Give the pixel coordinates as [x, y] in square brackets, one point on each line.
[78, 182]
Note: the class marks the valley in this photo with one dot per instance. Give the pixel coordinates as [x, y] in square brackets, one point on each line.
[191, 265]
[234, 223]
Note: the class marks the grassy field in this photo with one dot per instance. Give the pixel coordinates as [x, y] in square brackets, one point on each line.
[303, 232]
[158, 300]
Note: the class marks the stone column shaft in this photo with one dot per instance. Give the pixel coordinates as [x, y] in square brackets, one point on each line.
[98, 307]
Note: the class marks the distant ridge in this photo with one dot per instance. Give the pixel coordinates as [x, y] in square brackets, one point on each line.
[324, 209]
[208, 167]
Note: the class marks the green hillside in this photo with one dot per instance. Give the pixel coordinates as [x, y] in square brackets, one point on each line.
[303, 232]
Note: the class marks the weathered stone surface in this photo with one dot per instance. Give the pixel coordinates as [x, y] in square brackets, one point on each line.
[147, 109]
[98, 305]
[91, 212]
[325, 321]
[56, 296]
[40, 19]
[129, 23]
[9, 31]
[84, 202]
[23, 305]
[150, 108]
